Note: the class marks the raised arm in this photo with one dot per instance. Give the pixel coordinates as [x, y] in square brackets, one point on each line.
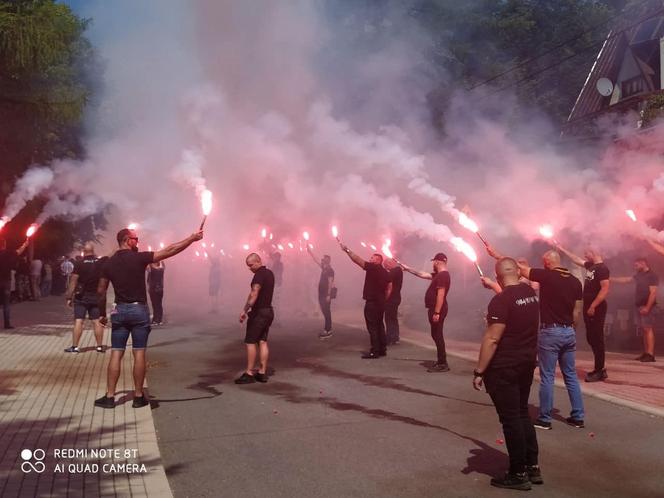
[491, 285]
[178, 247]
[578, 261]
[656, 246]
[311, 253]
[493, 252]
[417, 273]
[23, 247]
[354, 257]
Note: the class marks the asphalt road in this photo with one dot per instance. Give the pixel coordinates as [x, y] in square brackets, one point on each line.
[329, 424]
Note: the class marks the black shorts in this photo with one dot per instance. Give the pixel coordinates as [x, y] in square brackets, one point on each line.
[86, 307]
[258, 325]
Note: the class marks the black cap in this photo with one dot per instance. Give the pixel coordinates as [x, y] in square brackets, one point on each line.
[440, 257]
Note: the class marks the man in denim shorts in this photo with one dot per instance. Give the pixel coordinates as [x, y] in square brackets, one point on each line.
[126, 271]
[259, 315]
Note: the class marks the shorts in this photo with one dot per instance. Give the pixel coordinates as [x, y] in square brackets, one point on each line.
[129, 319]
[86, 307]
[258, 325]
[646, 321]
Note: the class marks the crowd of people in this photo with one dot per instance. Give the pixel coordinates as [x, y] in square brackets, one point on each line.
[531, 321]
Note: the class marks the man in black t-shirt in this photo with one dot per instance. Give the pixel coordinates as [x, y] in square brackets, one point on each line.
[595, 291]
[392, 304]
[435, 301]
[82, 295]
[560, 307]
[131, 316]
[8, 262]
[377, 289]
[645, 302]
[325, 291]
[506, 364]
[259, 315]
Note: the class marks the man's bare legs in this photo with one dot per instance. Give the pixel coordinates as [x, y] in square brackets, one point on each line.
[113, 372]
[649, 341]
[264, 354]
[252, 350]
[99, 332]
[78, 331]
[139, 371]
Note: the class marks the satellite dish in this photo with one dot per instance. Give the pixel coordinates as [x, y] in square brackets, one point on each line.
[604, 87]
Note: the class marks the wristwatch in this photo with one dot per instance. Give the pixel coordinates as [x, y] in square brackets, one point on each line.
[478, 374]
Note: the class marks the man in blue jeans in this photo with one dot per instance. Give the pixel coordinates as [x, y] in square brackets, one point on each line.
[560, 308]
[126, 271]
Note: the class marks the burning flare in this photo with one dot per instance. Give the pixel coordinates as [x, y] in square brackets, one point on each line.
[132, 226]
[3, 222]
[335, 232]
[465, 248]
[631, 214]
[305, 235]
[467, 223]
[31, 230]
[386, 249]
[264, 232]
[546, 231]
[245, 247]
[206, 202]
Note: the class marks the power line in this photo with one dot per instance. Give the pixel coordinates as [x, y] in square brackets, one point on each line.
[549, 51]
[565, 59]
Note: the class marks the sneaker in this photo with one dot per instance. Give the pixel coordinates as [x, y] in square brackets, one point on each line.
[597, 376]
[439, 367]
[325, 334]
[73, 349]
[541, 424]
[245, 378]
[140, 402]
[534, 474]
[640, 357]
[99, 349]
[647, 358]
[260, 377]
[574, 422]
[370, 356]
[512, 481]
[105, 402]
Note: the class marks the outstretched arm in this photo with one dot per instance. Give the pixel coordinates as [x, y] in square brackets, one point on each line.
[311, 253]
[178, 247]
[578, 261]
[656, 246]
[417, 273]
[491, 251]
[354, 257]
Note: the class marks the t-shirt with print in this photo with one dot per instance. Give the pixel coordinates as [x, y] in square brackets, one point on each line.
[517, 308]
[595, 273]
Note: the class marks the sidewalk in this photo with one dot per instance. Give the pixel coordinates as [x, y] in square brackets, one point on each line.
[46, 403]
[632, 384]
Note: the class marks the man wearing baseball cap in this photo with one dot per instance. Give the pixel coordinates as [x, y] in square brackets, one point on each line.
[435, 301]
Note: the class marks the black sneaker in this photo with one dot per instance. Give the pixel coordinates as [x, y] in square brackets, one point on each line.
[439, 367]
[512, 481]
[640, 357]
[105, 402]
[140, 402]
[73, 349]
[99, 349]
[260, 377]
[541, 424]
[574, 422]
[534, 474]
[597, 376]
[647, 358]
[245, 378]
[370, 356]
